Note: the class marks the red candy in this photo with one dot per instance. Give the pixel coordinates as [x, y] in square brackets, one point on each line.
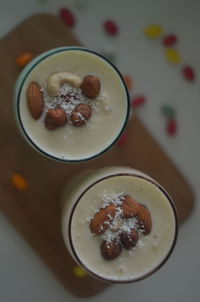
[67, 16]
[123, 138]
[138, 101]
[188, 73]
[171, 128]
[111, 27]
[169, 40]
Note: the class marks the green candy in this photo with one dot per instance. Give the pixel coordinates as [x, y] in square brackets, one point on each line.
[168, 111]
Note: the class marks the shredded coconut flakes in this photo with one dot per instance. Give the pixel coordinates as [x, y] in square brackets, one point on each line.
[67, 99]
[118, 224]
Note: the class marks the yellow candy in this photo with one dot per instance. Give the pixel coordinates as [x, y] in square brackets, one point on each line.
[79, 272]
[19, 182]
[172, 55]
[153, 31]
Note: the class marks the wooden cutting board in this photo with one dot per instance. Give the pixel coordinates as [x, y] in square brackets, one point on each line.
[36, 212]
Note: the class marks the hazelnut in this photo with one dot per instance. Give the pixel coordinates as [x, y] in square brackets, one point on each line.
[55, 118]
[110, 250]
[129, 240]
[90, 86]
[81, 114]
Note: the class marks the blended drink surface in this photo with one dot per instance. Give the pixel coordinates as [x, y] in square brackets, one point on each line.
[109, 108]
[149, 251]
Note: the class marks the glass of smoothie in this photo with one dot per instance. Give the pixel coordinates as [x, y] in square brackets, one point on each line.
[71, 104]
[118, 224]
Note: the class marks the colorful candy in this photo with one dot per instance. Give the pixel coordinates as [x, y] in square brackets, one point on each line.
[172, 56]
[171, 127]
[123, 138]
[138, 101]
[169, 40]
[188, 73]
[111, 27]
[23, 59]
[128, 81]
[168, 111]
[67, 17]
[79, 272]
[19, 182]
[153, 31]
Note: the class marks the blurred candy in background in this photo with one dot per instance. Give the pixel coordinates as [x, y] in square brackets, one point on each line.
[156, 46]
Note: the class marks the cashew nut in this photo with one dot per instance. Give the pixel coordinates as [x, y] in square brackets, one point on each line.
[57, 79]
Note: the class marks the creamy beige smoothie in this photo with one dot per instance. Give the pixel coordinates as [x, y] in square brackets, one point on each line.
[118, 224]
[83, 104]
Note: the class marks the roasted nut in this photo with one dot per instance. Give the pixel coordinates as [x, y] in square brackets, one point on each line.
[102, 219]
[81, 115]
[57, 79]
[55, 118]
[110, 250]
[129, 207]
[129, 240]
[35, 100]
[90, 86]
[144, 219]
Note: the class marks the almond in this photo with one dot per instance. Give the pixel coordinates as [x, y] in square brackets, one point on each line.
[129, 207]
[129, 239]
[81, 114]
[90, 86]
[35, 100]
[110, 250]
[102, 219]
[55, 118]
[144, 219]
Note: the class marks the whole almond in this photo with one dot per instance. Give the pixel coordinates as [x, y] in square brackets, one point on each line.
[102, 219]
[144, 219]
[129, 239]
[55, 118]
[90, 86]
[35, 100]
[129, 207]
[110, 250]
[81, 114]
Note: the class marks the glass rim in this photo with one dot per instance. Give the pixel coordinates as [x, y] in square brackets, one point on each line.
[23, 76]
[153, 270]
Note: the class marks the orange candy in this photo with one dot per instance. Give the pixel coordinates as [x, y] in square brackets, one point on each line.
[128, 81]
[19, 182]
[23, 59]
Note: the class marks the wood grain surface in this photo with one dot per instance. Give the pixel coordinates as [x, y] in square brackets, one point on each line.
[36, 212]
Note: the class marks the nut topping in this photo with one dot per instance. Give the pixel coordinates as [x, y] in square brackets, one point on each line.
[90, 86]
[129, 240]
[35, 100]
[144, 219]
[120, 224]
[110, 250]
[57, 79]
[81, 114]
[101, 220]
[55, 118]
[129, 207]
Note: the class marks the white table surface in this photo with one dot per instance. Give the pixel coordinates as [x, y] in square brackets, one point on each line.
[23, 277]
